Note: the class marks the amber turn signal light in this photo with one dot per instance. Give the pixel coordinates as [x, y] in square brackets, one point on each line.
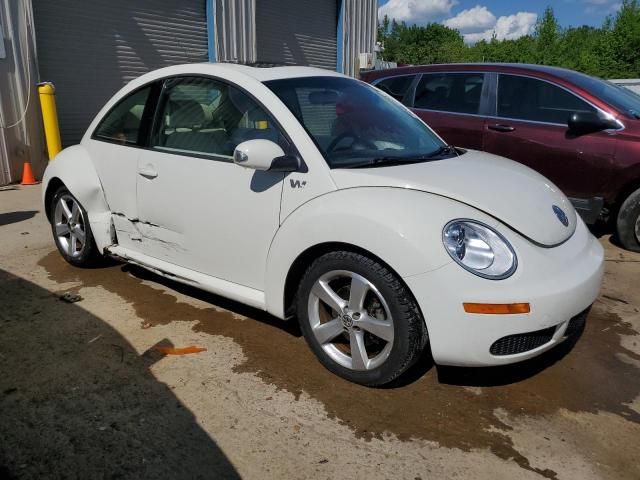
[497, 308]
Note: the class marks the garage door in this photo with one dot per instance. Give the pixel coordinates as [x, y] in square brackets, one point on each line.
[90, 48]
[297, 32]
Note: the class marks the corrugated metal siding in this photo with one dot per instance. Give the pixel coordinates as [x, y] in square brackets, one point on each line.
[297, 32]
[20, 124]
[90, 49]
[235, 30]
[360, 28]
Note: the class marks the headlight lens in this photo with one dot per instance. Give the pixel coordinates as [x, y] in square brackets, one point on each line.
[479, 249]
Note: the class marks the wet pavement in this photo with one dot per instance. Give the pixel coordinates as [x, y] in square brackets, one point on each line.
[571, 413]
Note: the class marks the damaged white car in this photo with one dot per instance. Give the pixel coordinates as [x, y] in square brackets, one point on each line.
[309, 194]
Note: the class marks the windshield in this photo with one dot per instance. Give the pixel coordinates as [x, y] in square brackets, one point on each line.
[617, 96]
[355, 125]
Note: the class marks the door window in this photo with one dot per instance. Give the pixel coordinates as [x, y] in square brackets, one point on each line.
[206, 117]
[525, 98]
[122, 123]
[450, 92]
[396, 86]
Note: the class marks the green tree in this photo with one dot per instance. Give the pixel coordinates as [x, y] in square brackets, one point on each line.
[548, 38]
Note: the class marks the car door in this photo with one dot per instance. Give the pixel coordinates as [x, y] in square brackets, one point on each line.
[198, 209]
[114, 148]
[453, 104]
[531, 128]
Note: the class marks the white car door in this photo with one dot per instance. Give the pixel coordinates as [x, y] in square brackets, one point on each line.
[114, 150]
[196, 208]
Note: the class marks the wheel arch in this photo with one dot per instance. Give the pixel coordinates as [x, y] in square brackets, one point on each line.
[400, 228]
[73, 169]
[307, 257]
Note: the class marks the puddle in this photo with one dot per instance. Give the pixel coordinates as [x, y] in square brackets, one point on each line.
[453, 407]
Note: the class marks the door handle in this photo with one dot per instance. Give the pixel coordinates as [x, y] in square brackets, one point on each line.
[148, 172]
[501, 128]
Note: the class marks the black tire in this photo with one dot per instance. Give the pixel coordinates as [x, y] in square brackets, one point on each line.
[628, 226]
[89, 255]
[410, 332]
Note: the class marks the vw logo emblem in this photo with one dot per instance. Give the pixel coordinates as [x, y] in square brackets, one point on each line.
[561, 215]
[347, 321]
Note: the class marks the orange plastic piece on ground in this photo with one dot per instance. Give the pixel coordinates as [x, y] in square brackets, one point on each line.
[180, 351]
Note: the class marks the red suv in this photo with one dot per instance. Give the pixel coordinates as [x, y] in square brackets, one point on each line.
[581, 132]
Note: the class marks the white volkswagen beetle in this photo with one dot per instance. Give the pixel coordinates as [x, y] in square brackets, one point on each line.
[309, 194]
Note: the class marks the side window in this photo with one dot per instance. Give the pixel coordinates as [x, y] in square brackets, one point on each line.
[203, 116]
[450, 92]
[396, 86]
[122, 123]
[526, 98]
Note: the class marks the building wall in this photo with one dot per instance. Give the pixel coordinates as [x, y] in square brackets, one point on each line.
[90, 49]
[20, 124]
[358, 20]
[234, 29]
[335, 41]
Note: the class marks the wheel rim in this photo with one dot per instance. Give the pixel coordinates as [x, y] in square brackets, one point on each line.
[638, 229]
[351, 320]
[69, 224]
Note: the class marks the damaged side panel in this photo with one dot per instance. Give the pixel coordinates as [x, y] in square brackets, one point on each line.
[74, 168]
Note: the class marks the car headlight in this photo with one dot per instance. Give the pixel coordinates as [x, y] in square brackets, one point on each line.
[479, 249]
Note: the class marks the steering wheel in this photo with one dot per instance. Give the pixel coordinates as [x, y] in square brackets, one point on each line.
[356, 139]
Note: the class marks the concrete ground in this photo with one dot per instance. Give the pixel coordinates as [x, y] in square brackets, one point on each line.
[83, 393]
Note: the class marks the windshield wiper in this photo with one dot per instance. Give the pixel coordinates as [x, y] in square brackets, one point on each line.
[444, 150]
[387, 162]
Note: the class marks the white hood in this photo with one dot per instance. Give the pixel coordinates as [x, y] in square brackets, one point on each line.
[514, 194]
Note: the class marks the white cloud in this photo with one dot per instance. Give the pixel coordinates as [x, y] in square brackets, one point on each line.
[600, 7]
[417, 11]
[509, 27]
[472, 20]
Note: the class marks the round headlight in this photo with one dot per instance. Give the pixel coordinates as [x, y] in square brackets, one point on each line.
[479, 249]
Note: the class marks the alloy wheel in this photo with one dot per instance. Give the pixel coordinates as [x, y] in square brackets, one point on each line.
[351, 320]
[70, 226]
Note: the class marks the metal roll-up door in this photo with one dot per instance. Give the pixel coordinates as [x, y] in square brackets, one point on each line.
[297, 32]
[90, 48]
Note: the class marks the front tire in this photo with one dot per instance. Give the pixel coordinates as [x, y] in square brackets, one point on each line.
[359, 319]
[71, 230]
[628, 222]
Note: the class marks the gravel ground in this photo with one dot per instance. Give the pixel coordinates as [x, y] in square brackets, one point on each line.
[84, 393]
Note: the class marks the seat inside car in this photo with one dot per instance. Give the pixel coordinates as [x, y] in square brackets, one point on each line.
[187, 128]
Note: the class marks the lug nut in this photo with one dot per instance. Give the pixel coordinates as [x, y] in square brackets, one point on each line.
[356, 316]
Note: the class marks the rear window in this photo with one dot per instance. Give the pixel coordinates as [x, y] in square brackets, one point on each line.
[122, 123]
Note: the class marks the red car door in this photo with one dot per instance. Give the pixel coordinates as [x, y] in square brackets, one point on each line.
[450, 103]
[531, 128]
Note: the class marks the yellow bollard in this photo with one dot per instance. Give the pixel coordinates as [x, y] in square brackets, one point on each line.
[47, 93]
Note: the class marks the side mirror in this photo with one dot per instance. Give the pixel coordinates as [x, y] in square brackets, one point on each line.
[260, 154]
[590, 122]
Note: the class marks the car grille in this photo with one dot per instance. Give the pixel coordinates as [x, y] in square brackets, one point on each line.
[522, 342]
[576, 324]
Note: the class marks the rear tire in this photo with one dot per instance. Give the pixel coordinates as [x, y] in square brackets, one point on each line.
[628, 222]
[71, 230]
[359, 319]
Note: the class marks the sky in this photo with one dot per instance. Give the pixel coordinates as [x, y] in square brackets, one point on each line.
[509, 19]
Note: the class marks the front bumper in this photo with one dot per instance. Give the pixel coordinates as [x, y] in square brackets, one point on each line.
[559, 283]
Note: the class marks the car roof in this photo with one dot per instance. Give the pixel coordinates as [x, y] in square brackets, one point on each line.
[542, 70]
[261, 74]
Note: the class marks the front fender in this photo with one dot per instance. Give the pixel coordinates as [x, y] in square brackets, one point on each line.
[74, 168]
[402, 227]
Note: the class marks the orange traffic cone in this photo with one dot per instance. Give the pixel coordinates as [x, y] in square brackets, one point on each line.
[27, 175]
